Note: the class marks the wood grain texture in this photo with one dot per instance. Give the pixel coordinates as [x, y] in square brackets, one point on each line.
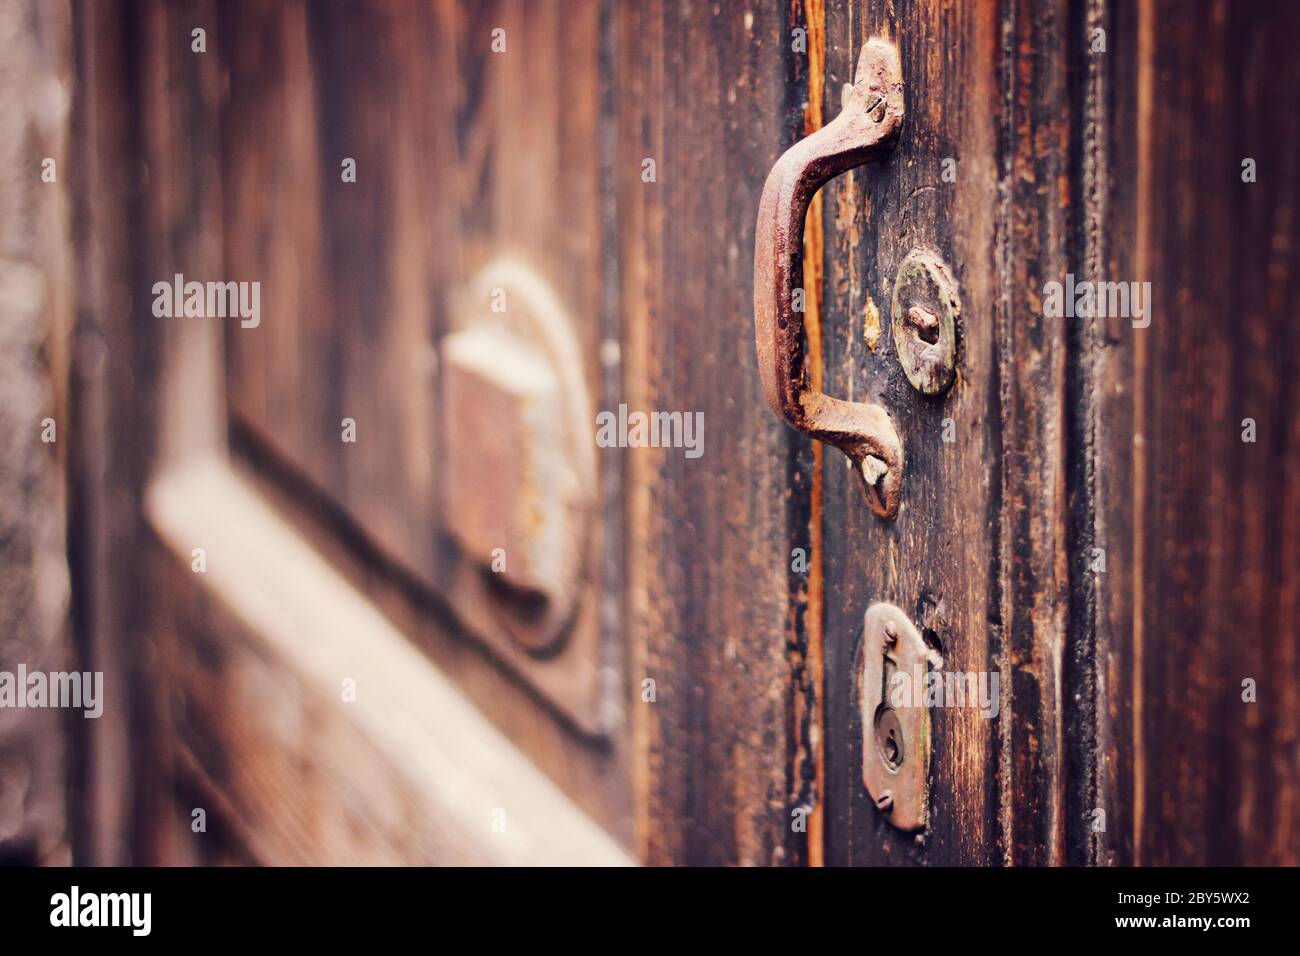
[179, 231]
[1094, 435]
[1120, 691]
[271, 71]
[938, 561]
[1218, 777]
[1197, 595]
[1036, 246]
[715, 609]
[810, 697]
[451, 142]
[158, 401]
[1100, 747]
[594, 775]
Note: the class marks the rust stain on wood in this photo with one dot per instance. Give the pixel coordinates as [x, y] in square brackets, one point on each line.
[1146, 27]
[871, 323]
[815, 19]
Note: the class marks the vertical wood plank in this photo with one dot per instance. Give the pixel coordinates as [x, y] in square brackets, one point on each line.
[715, 610]
[938, 560]
[465, 155]
[1101, 422]
[1036, 246]
[1219, 776]
[113, 388]
[179, 232]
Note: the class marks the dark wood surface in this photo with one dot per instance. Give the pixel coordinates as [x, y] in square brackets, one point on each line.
[938, 561]
[1120, 691]
[171, 203]
[1100, 421]
[724, 751]
[1217, 519]
[113, 444]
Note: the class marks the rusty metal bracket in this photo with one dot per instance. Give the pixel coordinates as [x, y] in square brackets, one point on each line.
[896, 743]
[865, 129]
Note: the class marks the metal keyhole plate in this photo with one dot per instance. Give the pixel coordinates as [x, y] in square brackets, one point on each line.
[889, 738]
[896, 740]
[924, 317]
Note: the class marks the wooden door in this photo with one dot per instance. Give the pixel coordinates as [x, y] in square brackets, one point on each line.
[1083, 510]
[332, 676]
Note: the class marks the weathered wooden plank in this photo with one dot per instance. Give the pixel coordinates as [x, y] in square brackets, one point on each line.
[451, 141]
[716, 613]
[111, 450]
[1120, 691]
[283, 374]
[1217, 777]
[179, 230]
[938, 560]
[1099, 667]
[1036, 246]
[809, 696]
[161, 399]
[1196, 595]
[593, 774]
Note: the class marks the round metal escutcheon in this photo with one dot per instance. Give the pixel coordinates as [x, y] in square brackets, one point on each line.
[924, 317]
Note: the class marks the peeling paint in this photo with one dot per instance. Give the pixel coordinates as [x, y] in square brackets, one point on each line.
[871, 323]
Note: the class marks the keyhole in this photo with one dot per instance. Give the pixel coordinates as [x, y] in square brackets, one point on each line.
[926, 324]
[889, 738]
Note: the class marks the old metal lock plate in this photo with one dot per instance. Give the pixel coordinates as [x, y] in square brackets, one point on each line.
[896, 744]
[925, 315]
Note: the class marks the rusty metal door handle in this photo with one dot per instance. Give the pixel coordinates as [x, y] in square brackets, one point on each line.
[867, 126]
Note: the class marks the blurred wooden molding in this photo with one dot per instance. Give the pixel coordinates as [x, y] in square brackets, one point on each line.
[407, 773]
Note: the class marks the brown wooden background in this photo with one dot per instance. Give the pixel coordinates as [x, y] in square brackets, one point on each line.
[1121, 691]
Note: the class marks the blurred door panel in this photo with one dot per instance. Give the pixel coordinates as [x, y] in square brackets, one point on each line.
[383, 606]
[379, 161]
